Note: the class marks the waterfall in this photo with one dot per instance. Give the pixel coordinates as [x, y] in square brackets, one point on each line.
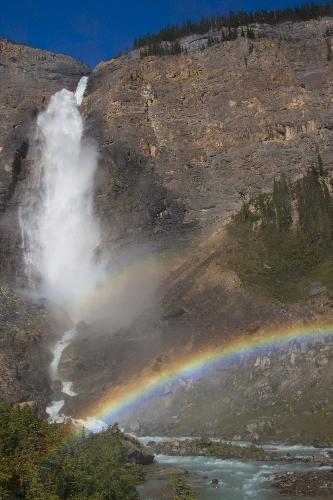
[60, 234]
[80, 90]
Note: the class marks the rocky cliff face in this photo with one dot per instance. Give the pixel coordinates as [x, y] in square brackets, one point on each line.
[184, 142]
[25, 331]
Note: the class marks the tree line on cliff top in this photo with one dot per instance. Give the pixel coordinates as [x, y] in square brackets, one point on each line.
[155, 43]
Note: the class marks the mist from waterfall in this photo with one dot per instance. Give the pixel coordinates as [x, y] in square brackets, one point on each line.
[60, 234]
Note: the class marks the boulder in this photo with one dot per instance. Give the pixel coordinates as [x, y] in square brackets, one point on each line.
[137, 453]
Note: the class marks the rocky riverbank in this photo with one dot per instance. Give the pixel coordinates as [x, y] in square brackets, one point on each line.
[207, 448]
[314, 484]
[317, 459]
[225, 450]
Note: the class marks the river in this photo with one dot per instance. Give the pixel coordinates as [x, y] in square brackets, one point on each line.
[238, 479]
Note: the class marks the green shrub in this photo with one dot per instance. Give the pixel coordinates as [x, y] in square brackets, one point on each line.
[183, 491]
[43, 461]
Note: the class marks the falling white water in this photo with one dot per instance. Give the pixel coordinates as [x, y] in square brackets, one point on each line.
[67, 388]
[80, 90]
[54, 409]
[57, 353]
[61, 236]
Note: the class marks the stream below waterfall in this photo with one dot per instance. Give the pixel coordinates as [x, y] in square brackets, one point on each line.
[53, 410]
[66, 388]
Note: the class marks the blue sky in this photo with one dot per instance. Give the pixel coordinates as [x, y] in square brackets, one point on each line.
[96, 30]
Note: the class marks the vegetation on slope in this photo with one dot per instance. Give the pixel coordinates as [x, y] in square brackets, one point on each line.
[161, 49]
[43, 461]
[155, 43]
[282, 242]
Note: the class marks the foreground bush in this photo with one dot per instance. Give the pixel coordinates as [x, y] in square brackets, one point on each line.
[43, 461]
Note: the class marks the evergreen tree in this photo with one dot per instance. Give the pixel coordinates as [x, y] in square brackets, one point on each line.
[250, 33]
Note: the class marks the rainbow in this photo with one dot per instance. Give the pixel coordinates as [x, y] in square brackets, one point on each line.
[123, 398]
